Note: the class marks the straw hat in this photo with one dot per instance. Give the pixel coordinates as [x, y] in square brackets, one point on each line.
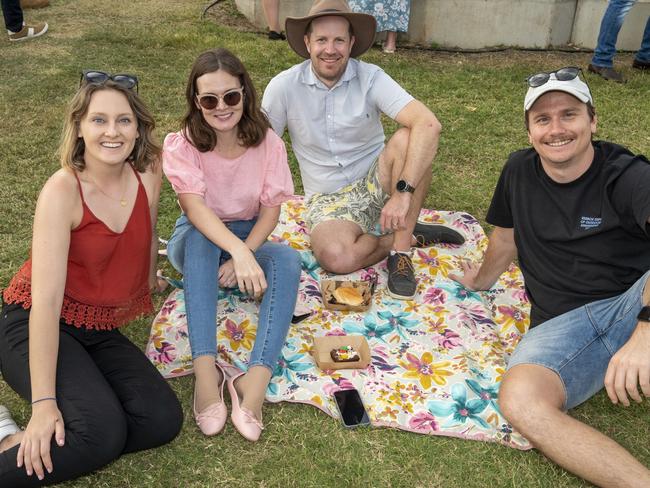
[363, 26]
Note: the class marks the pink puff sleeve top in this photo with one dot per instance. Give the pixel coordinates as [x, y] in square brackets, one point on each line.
[233, 188]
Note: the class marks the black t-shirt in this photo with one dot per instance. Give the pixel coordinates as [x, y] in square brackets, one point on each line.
[581, 241]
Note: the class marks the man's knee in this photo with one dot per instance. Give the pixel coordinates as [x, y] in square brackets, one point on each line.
[334, 258]
[527, 391]
[399, 141]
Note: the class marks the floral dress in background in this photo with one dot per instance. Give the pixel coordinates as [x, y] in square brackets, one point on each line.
[391, 15]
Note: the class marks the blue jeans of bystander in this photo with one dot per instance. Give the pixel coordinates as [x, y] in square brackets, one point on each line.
[609, 29]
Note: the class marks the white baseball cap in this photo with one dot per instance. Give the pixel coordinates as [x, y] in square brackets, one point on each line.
[575, 87]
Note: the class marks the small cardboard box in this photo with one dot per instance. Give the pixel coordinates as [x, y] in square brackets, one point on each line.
[327, 288]
[323, 347]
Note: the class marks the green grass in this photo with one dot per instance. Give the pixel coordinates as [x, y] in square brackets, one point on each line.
[477, 97]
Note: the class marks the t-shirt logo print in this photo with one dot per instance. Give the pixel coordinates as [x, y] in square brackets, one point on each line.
[588, 223]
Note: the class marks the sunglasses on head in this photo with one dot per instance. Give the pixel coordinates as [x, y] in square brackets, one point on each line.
[94, 77]
[563, 74]
[230, 98]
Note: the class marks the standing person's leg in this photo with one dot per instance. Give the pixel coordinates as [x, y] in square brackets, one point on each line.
[560, 364]
[197, 258]
[272, 15]
[153, 414]
[17, 29]
[642, 58]
[390, 44]
[13, 15]
[602, 62]
[94, 421]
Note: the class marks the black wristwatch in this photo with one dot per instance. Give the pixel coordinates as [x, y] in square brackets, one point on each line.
[644, 314]
[403, 187]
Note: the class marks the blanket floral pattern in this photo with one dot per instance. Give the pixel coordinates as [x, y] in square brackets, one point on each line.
[437, 360]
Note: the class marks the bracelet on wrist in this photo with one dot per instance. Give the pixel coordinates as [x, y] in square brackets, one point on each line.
[43, 399]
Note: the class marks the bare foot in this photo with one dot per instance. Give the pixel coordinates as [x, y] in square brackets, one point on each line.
[11, 441]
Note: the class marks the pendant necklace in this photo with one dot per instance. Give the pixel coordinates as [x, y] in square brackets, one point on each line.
[122, 200]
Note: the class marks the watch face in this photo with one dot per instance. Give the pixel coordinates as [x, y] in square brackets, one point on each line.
[403, 186]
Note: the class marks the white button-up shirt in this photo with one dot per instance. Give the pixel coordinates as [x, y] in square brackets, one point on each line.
[336, 133]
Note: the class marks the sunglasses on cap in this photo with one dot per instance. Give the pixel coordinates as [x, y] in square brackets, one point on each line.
[230, 98]
[94, 77]
[563, 74]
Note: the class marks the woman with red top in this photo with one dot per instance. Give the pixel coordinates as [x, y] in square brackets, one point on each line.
[94, 394]
[230, 172]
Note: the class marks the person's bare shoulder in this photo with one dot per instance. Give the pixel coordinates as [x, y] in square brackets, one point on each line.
[60, 199]
[61, 188]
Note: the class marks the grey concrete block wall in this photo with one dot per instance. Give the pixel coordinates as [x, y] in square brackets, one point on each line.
[475, 24]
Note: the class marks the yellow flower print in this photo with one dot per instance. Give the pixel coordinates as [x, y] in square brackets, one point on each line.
[241, 335]
[501, 372]
[425, 370]
[511, 316]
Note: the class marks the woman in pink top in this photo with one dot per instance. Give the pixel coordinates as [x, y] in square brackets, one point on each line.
[230, 172]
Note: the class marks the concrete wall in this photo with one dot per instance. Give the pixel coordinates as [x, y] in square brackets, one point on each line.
[475, 24]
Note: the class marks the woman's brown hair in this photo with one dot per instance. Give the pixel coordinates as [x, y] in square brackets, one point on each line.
[253, 124]
[146, 151]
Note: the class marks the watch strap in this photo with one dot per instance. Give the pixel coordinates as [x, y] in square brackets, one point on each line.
[403, 186]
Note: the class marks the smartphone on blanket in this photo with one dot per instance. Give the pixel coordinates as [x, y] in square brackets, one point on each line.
[353, 413]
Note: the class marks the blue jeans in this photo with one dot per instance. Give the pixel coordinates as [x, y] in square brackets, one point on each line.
[198, 258]
[609, 28]
[579, 344]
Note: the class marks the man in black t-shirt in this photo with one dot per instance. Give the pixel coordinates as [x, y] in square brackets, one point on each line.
[576, 213]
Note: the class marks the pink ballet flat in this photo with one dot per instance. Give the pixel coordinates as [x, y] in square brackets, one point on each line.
[243, 419]
[212, 419]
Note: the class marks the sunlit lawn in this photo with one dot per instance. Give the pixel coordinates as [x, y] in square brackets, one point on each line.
[477, 97]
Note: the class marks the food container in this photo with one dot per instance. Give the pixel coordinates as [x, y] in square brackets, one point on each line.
[323, 347]
[365, 288]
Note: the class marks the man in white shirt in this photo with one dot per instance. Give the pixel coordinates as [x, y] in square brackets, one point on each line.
[353, 179]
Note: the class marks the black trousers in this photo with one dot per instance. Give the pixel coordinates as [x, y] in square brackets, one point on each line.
[13, 15]
[113, 400]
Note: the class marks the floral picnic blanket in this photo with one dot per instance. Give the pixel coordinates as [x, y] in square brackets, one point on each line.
[437, 360]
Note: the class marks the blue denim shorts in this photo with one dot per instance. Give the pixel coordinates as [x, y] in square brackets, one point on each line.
[579, 344]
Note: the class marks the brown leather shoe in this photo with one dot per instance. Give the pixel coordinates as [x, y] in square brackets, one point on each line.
[34, 3]
[607, 73]
[642, 65]
[29, 31]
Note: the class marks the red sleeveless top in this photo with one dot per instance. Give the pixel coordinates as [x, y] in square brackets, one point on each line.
[107, 280]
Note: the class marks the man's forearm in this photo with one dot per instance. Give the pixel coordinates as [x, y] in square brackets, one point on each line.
[422, 148]
[500, 253]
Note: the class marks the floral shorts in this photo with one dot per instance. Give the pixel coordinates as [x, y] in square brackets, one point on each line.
[360, 202]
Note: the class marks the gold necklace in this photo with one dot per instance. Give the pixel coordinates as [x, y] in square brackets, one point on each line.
[122, 200]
